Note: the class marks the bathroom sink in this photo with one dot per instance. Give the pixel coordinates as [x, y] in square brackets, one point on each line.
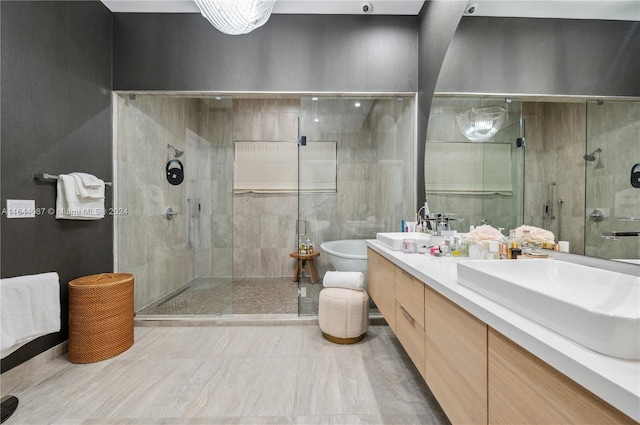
[596, 308]
[393, 240]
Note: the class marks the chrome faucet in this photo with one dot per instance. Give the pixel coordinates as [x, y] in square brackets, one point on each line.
[616, 234]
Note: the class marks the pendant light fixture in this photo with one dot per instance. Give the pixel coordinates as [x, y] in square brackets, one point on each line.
[236, 17]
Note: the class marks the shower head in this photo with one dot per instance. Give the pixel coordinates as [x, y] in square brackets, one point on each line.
[176, 152]
[592, 155]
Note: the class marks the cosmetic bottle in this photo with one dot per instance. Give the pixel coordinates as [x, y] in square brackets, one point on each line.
[463, 248]
[494, 250]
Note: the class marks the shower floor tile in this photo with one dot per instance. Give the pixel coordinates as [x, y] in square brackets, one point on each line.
[222, 296]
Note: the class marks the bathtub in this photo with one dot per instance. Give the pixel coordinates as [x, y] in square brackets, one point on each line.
[349, 255]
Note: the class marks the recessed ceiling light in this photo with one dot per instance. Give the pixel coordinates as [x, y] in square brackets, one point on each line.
[315, 99]
[357, 104]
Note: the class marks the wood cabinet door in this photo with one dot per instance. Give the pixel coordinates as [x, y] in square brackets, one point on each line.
[525, 390]
[456, 359]
[382, 287]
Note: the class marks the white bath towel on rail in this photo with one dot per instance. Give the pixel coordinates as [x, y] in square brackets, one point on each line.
[29, 308]
[77, 201]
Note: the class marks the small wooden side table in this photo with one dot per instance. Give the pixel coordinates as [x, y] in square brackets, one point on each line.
[310, 260]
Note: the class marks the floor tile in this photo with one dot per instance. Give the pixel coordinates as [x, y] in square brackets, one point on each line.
[231, 375]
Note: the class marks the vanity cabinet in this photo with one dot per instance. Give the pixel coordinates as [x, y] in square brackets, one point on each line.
[525, 390]
[382, 286]
[410, 317]
[456, 359]
[477, 375]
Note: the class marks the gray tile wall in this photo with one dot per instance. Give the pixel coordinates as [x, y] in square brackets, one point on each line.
[165, 254]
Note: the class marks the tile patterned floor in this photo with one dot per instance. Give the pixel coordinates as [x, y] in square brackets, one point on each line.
[211, 296]
[231, 375]
[224, 296]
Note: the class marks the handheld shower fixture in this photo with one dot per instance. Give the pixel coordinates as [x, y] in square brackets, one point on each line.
[177, 153]
[592, 155]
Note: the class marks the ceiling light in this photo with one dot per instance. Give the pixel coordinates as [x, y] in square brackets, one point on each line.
[357, 104]
[479, 125]
[236, 16]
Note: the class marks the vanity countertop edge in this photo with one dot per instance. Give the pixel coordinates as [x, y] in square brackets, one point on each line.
[616, 381]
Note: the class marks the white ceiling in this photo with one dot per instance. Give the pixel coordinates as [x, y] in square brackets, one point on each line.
[331, 7]
[627, 10]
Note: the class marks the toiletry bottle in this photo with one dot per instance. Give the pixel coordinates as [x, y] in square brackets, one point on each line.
[494, 250]
[503, 250]
[454, 247]
[463, 248]
[308, 243]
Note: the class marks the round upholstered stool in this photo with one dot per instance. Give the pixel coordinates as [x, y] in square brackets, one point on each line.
[343, 315]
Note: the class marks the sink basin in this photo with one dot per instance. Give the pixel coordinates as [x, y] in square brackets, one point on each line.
[393, 240]
[596, 308]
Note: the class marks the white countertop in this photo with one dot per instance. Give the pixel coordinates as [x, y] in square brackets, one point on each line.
[616, 381]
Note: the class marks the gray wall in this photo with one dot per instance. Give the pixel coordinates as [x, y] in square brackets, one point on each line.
[543, 56]
[56, 118]
[308, 53]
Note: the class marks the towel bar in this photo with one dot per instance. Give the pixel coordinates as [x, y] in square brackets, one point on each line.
[45, 176]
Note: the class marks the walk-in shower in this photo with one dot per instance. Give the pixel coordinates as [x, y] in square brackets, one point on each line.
[226, 250]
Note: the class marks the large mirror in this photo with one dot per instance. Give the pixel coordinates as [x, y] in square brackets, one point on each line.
[561, 165]
[565, 79]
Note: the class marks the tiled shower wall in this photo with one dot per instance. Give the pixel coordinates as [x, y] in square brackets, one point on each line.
[264, 225]
[165, 254]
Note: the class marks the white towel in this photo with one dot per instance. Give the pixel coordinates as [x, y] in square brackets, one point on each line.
[71, 206]
[88, 186]
[348, 280]
[89, 180]
[29, 308]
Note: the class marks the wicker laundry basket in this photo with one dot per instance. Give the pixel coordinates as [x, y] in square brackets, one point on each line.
[100, 316]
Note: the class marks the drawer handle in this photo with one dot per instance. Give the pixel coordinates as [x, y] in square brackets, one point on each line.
[406, 315]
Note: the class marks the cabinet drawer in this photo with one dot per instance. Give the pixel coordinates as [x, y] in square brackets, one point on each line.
[410, 294]
[412, 337]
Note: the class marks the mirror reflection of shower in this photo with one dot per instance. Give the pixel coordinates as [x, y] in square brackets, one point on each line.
[176, 153]
[592, 157]
[547, 215]
[195, 208]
